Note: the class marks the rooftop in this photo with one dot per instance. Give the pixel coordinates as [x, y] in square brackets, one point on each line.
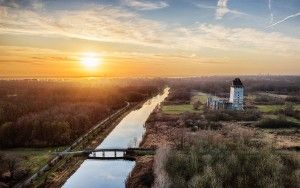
[237, 83]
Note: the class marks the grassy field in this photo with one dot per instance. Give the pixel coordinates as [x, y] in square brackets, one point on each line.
[178, 109]
[31, 158]
[199, 96]
[297, 107]
[250, 97]
[182, 108]
[269, 108]
[273, 95]
[273, 108]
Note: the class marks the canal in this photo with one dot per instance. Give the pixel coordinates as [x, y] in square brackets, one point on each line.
[128, 133]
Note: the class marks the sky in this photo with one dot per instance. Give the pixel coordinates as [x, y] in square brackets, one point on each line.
[139, 38]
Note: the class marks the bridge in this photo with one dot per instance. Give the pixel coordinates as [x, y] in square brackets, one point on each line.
[111, 153]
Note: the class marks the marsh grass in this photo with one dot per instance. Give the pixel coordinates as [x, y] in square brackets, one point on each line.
[215, 161]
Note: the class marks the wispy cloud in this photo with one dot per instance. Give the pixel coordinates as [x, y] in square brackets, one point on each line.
[100, 23]
[146, 5]
[113, 24]
[28, 4]
[237, 39]
[205, 6]
[283, 20]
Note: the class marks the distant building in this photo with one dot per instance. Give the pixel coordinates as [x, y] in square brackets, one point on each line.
[235, 102]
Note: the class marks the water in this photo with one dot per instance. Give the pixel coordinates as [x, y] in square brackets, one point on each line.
[128, 133]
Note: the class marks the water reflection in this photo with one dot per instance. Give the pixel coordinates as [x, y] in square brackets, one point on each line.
[128, 133]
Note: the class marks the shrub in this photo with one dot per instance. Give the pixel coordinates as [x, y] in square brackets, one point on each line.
[226, 163]
[295, 99]
[231, 115]
[196, 105]
[277, 123]
[266, 99]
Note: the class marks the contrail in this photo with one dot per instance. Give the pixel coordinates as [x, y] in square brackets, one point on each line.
[283, 20]
[271, 12]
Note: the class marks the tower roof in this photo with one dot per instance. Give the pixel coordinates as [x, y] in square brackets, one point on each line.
[237, 83]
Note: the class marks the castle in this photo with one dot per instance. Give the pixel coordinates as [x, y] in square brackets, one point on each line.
[235, 101]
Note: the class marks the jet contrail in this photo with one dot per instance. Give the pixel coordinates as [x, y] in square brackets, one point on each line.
[271, 12]
[283, 20]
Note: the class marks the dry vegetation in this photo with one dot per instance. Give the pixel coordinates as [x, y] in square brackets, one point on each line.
[226, 158]
[204, 148]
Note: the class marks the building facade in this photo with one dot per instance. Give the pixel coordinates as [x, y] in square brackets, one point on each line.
[235, 102]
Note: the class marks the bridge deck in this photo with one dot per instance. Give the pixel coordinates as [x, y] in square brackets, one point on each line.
[113, 158]
[111, 153]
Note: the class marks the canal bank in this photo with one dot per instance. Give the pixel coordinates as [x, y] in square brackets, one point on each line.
[55, 174]
[128, 133]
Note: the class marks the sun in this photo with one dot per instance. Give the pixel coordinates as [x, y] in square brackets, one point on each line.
[91, 61]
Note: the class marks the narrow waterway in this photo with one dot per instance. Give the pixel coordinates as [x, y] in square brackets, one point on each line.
[128, 133]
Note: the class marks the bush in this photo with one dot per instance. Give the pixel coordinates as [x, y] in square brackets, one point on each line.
[231, 115]
[277, 123]
[179, 95]
[197, 105]
[265, 99]
[230, 164]
[295, 99]
[289, 110]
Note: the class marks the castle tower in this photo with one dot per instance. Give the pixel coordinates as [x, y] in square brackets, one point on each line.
[237, 94]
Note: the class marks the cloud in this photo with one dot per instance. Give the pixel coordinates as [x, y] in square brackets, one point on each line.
[205, 6]
[146, 5]
[28, 4]
[237, 39]
[283, 20]
[100, 23]
[116, 25]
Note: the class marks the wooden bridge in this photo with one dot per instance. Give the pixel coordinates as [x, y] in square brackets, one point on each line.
[111, 153]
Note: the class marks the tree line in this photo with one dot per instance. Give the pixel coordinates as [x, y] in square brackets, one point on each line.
[53, 113]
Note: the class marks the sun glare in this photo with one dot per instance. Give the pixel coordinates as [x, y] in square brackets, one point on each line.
[91, 61]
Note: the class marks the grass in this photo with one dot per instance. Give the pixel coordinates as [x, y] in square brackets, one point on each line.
[182, 108]
[31, 158]
[274, 95]
[199, 96]
[297, 107]
[250, 97]
[269, 108]
[179, 109]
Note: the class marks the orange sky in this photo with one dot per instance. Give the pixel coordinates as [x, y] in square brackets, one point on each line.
[130, 41]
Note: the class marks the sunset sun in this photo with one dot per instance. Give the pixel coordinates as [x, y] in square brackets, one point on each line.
[91, 60]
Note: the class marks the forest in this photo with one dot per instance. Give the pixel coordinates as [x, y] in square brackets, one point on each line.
[47, 113]
[219, 85]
